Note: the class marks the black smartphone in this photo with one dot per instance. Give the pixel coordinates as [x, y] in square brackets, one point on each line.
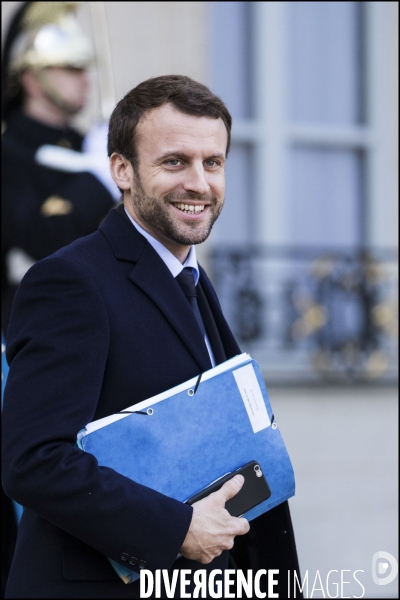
[254, 491]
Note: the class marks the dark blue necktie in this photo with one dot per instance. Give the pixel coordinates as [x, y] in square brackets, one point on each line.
[186, 281]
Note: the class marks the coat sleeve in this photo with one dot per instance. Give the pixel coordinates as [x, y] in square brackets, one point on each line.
[57, 346]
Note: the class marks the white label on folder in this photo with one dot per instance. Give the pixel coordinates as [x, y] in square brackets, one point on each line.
[249, 388]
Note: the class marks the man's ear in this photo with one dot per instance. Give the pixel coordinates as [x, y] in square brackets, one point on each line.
[121, 171]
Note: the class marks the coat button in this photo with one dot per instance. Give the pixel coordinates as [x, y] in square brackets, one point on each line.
[142, 564]
[124, 556]
[133, 561]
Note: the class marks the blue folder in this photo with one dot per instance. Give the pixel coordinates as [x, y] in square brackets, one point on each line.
[195, 433]
[190, 438]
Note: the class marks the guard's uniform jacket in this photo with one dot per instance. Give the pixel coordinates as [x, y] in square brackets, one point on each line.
[43, 209]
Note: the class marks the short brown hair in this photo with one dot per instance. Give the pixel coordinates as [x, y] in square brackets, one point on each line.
[185, 94]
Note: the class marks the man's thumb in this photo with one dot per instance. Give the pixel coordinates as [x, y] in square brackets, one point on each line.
[231, 487]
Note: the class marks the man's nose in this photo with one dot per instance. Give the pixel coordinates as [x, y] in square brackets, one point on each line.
[195, 180]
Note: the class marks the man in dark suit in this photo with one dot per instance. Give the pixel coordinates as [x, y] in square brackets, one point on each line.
[103, 324]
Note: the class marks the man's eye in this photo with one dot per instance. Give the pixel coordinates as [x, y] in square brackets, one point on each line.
[174, 162]
[211, 163]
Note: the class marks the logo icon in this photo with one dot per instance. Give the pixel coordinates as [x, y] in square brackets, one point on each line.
[380, 565]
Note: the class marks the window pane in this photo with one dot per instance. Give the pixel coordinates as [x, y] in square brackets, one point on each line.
[325, 197]
[230, 55]
[325, 70]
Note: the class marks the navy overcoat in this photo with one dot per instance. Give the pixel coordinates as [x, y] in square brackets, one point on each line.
[96, 327]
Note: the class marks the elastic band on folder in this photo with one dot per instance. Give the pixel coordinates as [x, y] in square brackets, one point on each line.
[136, 412]
[197, 383]
[192, 391]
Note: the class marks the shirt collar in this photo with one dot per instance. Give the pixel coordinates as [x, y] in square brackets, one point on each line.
[173, 264]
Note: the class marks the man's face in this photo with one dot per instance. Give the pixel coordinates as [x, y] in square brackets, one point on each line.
[66, 86]
[177, 190]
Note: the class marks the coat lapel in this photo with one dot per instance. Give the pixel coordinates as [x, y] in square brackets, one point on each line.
[153, 277]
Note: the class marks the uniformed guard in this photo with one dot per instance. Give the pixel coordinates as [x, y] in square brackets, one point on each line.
[56, 185]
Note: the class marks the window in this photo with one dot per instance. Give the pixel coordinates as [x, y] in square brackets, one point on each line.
[312, 154]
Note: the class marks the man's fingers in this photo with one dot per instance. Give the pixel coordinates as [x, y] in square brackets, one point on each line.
[243, 526]
[231, 488]
[212, 529]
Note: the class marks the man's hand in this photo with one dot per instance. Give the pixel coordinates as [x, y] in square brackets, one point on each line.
[212, 529]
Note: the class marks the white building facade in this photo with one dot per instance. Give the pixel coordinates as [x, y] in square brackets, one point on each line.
[304, 256]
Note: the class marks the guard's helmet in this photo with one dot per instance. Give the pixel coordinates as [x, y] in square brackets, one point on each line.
[42, 34]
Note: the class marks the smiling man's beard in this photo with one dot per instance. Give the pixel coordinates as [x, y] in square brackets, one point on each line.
[156, 212]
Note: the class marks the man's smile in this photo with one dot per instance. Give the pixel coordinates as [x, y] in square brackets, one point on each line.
[190, 209]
